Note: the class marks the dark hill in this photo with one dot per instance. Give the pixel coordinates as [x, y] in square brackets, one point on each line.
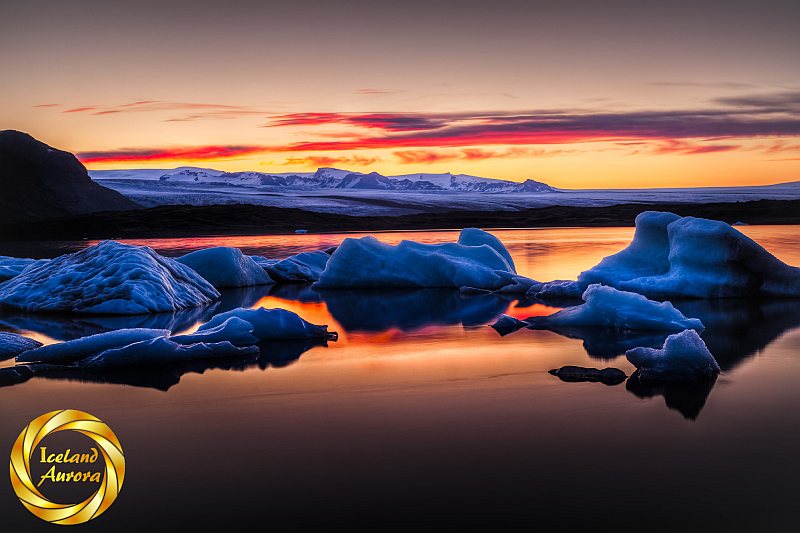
[39, 182]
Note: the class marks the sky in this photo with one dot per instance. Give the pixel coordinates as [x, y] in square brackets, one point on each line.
[578, 94]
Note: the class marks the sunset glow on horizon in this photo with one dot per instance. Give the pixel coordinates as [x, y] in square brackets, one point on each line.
[577, 95]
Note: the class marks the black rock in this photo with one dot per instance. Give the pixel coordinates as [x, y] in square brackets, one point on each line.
[42, 183]
[573, 374]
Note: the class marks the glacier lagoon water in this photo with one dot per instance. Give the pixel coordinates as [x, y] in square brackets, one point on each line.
[422, 415]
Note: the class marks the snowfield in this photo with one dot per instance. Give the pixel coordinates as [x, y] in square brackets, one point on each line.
[344, 192]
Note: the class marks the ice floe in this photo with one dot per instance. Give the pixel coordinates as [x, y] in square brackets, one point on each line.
[226, 267]
[610, 308]
[75, 350]
[235, 330]
[684, 357]
[303, 267]
[369, 263]
[269, 324]
[108, 278]
[163, 351]
[12, 344]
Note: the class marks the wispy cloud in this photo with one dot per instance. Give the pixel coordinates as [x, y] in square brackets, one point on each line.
[185, 154]
[326, 161]
[47, 105]
[184, 111]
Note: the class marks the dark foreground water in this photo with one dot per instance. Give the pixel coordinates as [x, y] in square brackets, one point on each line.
[422, 416]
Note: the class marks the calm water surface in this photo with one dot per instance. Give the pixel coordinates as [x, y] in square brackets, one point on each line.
[421, 415]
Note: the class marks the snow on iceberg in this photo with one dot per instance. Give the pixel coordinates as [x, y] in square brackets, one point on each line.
[269, 324]
[684, 357]
[369, 263]
[610, 308]
[235, 330]
[75, 350]
[12, 344]
[226, 267]
[300, 268]
[13, 266]
[161, 351]
[108, 278]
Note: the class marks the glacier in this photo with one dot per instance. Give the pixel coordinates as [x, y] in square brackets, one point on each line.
[107, 278]
[226, 267]
[369, 263]
[684, 357]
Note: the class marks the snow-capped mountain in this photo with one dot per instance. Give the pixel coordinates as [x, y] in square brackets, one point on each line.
[333, 178]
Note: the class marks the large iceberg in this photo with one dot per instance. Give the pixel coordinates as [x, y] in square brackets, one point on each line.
[108, 278]
[687, 257]
[610, 308]
[161, 351]
[13, 266]
[226, 267]
[269, 324]
[303, 267]
[75, 350]
[684, 357]
[369, 263]
[12, 344]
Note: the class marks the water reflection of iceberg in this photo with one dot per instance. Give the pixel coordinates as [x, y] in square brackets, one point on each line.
[688, 398]
[68, 327]
[273, 354]
[410, 309]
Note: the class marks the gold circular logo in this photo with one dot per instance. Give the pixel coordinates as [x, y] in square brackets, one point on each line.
[110, 480]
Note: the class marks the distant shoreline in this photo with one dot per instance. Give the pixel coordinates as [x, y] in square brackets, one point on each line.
[245, 219]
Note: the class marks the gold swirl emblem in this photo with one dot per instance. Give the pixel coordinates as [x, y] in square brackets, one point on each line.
[110, 484]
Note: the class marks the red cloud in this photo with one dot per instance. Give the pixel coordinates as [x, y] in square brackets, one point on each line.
[323, 161]
[80, 109]
[192, 153]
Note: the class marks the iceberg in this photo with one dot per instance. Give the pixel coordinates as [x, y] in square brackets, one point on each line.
[269, 324]
[108, 278]
[13, 266]
[369, 263]
[300, 268]
[75, 350]
[508, 324]
[12, 345]
[160, 351]
[684, 357]
[610, 308]
[478, 237]
[235, 330]
[226, 267]
[687, 257]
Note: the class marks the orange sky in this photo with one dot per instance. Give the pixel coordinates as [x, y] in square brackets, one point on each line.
[578, 95]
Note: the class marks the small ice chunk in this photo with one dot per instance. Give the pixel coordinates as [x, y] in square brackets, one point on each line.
[161, 351]
[619, 310]
[303, 267]
[270, 324]
[108, 278]
[74, 350]
[508, 324]
[12, 345]
[557, 289]
[226, 267]
[684, 357]
[235, 330]
[574, 374]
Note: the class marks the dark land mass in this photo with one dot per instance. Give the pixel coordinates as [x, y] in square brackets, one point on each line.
[186, 220]
[39, 182]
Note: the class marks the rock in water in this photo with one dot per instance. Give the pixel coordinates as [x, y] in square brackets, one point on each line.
[108, 278]
[269, 324]
[684, 357]
[575, 374]
[77, 349]
[226, 267]
[40, 182]
[369, 263]
[12, 345]
[609, 308]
